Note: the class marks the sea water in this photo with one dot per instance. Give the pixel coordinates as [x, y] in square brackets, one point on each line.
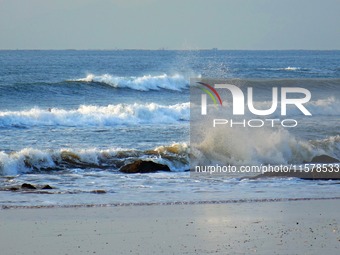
[71, 119]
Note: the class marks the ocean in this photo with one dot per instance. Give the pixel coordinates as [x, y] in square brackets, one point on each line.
[70, 119]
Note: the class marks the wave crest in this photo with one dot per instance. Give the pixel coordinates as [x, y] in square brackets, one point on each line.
[90, 115]
[143, 83]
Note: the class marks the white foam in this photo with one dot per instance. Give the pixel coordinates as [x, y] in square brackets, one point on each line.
[331, 143]
[9, 165]
[91, 115]
[143, 83]
[259, 146]
[290, 68]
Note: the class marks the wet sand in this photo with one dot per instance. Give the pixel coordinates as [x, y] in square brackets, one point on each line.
[283, 227]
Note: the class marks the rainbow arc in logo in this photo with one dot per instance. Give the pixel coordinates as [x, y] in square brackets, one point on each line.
[210, 91]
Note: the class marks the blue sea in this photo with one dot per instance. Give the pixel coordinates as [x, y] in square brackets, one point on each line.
[71, 119]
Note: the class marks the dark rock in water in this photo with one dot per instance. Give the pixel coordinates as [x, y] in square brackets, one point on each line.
[46, 187]
[321, 167]
[27, 186]
[324, 159]
[329, 174]
[141, 166]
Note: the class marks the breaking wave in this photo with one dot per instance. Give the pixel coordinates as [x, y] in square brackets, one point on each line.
[292, 68]
[32, 160]
[288, 69]
[90, 115]
[143, 83]
[227, 146]
[260, 146]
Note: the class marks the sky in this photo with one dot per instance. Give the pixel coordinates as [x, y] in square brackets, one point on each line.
[170, 24]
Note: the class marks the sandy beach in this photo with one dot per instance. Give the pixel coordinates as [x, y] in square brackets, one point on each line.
[283, 227]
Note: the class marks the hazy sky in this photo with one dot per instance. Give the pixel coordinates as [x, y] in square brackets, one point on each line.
[172, 24]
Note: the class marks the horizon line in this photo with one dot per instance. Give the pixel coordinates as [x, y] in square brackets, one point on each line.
[165, 49]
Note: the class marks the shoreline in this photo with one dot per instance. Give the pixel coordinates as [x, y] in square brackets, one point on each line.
[174, 203]
[283, 227]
